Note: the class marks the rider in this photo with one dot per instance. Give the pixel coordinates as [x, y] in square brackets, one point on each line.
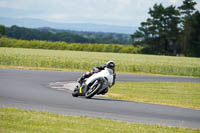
[110, 64]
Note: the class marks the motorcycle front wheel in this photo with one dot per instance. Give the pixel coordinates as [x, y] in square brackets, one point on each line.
[93, 89]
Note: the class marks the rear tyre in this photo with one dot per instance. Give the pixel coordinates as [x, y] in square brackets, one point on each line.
[75, 94]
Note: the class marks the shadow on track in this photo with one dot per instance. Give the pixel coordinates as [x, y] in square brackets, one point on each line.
[108, 99]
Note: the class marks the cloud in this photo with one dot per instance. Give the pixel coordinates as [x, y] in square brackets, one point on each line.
[118, 12]
[173, 1]
[3, 3]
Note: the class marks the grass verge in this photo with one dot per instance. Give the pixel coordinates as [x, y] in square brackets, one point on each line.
[19, 121]
[76, 60]
[179, 94]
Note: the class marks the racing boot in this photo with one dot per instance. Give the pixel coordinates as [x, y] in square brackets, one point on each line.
[84, 76]
[80, 80]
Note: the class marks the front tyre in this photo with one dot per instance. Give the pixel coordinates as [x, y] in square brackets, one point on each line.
[93, 89]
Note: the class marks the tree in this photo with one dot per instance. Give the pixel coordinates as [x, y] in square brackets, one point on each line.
[160, 31]
[2, 30]
[186, 9]
[193, 49]
[138, 38]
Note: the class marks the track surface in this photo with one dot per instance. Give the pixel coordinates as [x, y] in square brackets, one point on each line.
[29, 89]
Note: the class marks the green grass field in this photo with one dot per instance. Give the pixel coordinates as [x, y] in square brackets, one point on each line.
[166, 93]
[175, 94]
[19, 121]
[76, 60]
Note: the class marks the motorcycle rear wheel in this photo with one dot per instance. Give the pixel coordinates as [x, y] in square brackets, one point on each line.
[75, 94]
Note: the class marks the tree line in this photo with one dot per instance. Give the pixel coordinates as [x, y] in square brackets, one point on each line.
[60, 45]
[170, 30]
[49, 34]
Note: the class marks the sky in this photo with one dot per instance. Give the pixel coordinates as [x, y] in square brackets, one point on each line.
[112, 12]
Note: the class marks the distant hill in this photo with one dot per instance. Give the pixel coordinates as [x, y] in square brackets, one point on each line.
[50, 34]
[35, 23]
[95, 37]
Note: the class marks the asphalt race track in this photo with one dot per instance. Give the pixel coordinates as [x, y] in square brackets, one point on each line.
[30, 90]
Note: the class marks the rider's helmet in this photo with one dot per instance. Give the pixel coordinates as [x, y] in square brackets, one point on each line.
[110, 64]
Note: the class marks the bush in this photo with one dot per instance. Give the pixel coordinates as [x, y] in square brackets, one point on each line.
[35, 44]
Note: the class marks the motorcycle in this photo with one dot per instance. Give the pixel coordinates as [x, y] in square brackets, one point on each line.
[95, 84]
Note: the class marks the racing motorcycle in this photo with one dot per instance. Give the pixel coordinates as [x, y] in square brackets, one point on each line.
[95, 84]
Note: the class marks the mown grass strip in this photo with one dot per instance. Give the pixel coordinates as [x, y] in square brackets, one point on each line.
[20, 121]
[86, 60]
[166, 93]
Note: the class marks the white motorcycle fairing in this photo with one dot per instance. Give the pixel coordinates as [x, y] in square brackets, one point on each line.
[106, 74]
